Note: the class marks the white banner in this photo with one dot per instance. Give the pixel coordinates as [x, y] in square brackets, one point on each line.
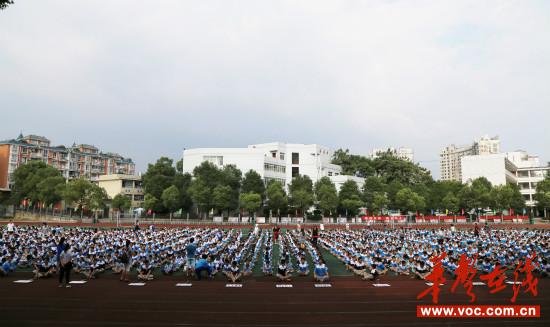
[245, 219]
[328, 220]
[233, 219]
[342, 220]
[218, 219]
[260, 220]
[273, 220]
[286, 220]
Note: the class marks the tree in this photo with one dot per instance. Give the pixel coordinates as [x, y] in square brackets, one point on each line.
[407, 200]
[373, 185]
[276, 197]
[201, 195]
[159, 176]
[439, 190]
[171, 199]
[150, 202]
[326, 195]
[231, 177]
[79, 193]
[250, 202]
[253, 183]
[450, 202]
[5, 3]
[542, 195]
[121, 202]
[223, 198]
[379, 202]
[50, 190]
[301, 192]
[351, 164]
[182, 182]
[506, 197]
[351, 205]
[179, 166]
[98, 198]
[26, 179]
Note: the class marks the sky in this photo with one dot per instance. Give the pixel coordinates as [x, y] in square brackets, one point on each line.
[150, 78]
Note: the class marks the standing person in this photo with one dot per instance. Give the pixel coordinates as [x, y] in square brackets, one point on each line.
[191, 249]
[276, 231]
[136, 226]
[314, 236]
[476, 230]
[66, 264]
[60, 248]
[125, 259]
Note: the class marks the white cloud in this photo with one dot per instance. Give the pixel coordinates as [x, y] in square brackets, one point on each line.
[149, 78]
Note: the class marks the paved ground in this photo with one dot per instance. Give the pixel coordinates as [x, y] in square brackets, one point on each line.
[349, 302]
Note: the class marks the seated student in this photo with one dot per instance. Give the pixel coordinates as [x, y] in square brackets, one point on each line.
[544, 270]
[320, 273]
[168, 266]
[282, 272]
[202, 265]
[421, 270]
[267, 269]
[42, 269]
[226, 268]
[145, 271]
[403, 268]
[247, 268]
[5, 267]
[303, 267]
[234, 274]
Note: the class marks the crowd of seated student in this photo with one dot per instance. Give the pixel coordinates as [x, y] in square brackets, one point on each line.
[372, 253]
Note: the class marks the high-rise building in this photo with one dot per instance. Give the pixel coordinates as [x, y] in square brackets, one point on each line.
[450, 156]
[273, 161]
[401, 153]
[73, 162]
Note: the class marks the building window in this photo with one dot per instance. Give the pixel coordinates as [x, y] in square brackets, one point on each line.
[282, 156]
[295, 170]
[295, 158]
[216, 160]
[274, 154]
[330, 173]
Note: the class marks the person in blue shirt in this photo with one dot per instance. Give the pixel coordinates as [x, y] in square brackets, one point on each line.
[5, 267]
[202, 264]
[191, 249]
[320, 273]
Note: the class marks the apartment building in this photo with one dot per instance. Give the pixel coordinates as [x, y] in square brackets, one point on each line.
[128, 185]
[450, 156]
[76, 161]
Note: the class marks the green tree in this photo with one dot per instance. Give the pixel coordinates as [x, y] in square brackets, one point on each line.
[26, 179]
[179, 166]
[542, 195]
[223, 198]
[379, 202]
[450, 202]
[121, 202]
[351, 206]
[98, 198]
[250, 202]
[171, 199]
[506, 197]
[276, 197]
[231, 177]
[182, 182]
[78, 193]
[439, 190]
[373, 185]
[301, 193]
[159, 176]
[50, 190]
[201, 194]
[407, 200]
[326, 195]
[253, 183]
[150, 202]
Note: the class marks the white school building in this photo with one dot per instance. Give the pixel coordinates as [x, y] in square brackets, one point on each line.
[273, 161]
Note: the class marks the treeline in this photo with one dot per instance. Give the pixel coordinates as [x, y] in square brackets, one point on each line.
[391, 184]
[395, 184]
[39, 186]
